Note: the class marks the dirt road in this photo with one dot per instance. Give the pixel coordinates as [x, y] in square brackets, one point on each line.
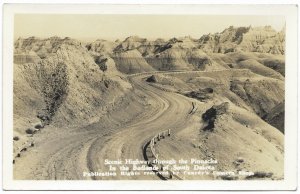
[66, 153]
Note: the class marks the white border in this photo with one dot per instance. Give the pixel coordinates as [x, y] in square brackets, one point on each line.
[289, 11]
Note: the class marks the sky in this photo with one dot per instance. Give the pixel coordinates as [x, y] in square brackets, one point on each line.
[113, 27]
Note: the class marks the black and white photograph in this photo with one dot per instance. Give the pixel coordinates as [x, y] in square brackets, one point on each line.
[151, 97]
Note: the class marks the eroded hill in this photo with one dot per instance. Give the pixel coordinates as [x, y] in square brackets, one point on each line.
[70, 91]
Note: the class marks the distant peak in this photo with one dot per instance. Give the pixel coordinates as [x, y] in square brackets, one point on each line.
[135, 38]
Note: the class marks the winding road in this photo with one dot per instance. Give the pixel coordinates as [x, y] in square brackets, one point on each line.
[66, 156]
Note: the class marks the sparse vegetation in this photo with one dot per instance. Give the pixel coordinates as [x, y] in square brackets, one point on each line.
[38, 126]
[16, 138]
[53, 82]
[29, 131]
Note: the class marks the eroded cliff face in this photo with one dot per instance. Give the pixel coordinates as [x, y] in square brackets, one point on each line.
[61, 82]
[131, 61]
[187, 53]
[259, 49]
[247, 39]
[264, 40]
[64, 88]
[234, 81]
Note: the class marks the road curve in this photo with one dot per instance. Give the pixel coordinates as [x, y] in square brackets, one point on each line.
[67, 156]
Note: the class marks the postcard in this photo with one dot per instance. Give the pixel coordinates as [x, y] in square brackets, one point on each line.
[149, 97]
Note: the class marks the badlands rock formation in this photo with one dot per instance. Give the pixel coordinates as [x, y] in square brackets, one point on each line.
[76, 103]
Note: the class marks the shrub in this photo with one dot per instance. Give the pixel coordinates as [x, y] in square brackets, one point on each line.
[29, 131]
[16, 138]
[38, 126]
